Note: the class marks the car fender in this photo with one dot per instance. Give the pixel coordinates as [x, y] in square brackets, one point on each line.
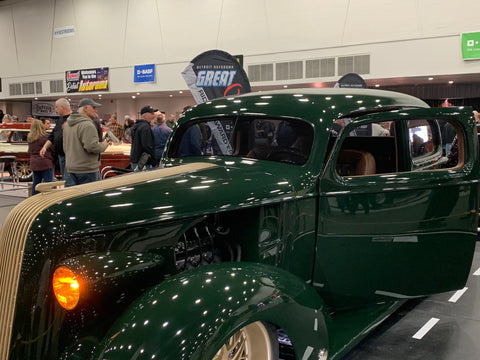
[191, 315]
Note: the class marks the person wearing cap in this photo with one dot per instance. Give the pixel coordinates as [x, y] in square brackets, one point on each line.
[143, 143]
[82, 144]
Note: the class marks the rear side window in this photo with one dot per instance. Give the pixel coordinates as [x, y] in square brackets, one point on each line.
[399, 146]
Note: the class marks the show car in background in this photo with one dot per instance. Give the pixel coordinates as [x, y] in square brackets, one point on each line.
[13, 141]
[277, 216]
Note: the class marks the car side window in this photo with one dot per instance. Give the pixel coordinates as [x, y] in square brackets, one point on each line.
[398, 146]
[367, 150]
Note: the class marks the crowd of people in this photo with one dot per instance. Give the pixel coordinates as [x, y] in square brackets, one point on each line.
[15, 135]
[78, 139]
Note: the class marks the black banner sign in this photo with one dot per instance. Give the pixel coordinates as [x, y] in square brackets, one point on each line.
[215, 74]
[87, 80]
[352, 81]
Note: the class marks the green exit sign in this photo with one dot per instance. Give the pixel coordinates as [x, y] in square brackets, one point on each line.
[471, 45]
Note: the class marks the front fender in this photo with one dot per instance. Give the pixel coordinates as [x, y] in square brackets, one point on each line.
[191, 315]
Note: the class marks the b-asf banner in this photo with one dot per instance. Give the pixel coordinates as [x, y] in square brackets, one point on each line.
[87, 80]
[215, 74]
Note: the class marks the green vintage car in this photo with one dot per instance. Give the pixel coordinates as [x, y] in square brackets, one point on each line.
[283, 224]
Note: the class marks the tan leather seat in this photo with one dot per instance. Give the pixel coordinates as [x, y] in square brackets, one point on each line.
[355, 163]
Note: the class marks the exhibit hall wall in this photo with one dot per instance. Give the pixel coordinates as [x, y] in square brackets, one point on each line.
[41, 39]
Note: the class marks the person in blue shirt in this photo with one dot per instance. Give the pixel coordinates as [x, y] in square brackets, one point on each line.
[190, 145]
[161, 132]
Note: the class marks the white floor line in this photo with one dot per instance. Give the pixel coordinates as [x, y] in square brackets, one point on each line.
[477, 273]
[458, 294]
[425, 328]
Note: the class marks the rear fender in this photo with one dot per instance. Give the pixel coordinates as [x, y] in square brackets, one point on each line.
[191, 315]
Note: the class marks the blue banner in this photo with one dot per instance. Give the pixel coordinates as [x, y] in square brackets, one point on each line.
[144, 73]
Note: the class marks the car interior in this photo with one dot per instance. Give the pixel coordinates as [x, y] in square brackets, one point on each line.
[416, 145]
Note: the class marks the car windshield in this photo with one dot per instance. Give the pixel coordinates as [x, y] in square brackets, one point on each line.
[280, 140]
[12, 136]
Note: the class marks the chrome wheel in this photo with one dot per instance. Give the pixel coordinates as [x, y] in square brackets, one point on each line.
[23, 171]
[253, 342]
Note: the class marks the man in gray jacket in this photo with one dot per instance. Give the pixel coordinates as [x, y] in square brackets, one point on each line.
[81, 144]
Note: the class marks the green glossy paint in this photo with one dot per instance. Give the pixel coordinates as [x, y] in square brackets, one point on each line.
[175, 265]
[192, 314]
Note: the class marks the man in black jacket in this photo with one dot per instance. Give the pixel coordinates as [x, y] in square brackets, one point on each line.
[143, 142]
[62, 106]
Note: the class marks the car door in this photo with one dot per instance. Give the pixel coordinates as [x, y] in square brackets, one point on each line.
[406, 228]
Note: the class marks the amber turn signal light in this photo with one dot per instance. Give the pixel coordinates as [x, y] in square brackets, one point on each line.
[66, 287]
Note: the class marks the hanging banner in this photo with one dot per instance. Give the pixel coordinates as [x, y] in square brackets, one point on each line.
[471, 46]
[215, 74]
[46, 108]
[43, 108]
[352, 81]
[144, 73]
[87, 80]
[64, 31]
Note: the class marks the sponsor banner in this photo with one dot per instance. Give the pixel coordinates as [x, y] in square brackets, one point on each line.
[64, 31]
[144, 73]
[47, 108]
[87, 80]
[44, 108]
[215, 74]
[352, 81]
[222, 136]
[471, 46]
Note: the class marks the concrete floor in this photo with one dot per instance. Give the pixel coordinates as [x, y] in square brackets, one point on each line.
[10, 196]
[441, 327]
